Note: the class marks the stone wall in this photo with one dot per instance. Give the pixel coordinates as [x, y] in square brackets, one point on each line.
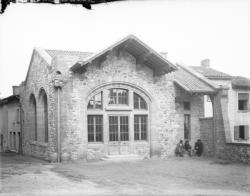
[40, 76]
[206, 131]
[125, 70]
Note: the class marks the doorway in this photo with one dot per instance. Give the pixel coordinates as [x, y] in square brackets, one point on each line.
[118, 134]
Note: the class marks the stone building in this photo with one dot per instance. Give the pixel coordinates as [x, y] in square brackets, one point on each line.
[10, 122]
[124, 100]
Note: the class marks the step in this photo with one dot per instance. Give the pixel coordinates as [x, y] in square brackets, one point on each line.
[125, 157]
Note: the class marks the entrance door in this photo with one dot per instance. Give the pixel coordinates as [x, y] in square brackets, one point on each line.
[187, 134]
[118, 135]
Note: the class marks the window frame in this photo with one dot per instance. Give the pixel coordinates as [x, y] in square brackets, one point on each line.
[246, 103]
[140, 127]
[94, 105]
[117, 98]
[141, 101]
[238, 129]
[95, 128]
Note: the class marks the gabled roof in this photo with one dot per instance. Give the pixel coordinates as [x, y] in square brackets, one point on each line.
[211, 73]
[193, 82]
[81, 55]
[137, 48]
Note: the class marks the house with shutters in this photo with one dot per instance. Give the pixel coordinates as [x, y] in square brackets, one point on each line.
[126, 100]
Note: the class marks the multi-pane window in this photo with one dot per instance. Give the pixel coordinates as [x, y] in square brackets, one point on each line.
[241, 132]
[140, 127]
[118, 128]
[139, 102]
[243, 101]
[118, 96]
[95, 102]
[95, 128]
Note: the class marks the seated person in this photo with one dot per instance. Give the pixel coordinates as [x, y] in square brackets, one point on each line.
[187, 147]
[198, 147]
[179, 150]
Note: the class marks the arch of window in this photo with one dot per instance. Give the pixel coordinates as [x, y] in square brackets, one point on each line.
[118, 95]
[43, 116]
[33, 116]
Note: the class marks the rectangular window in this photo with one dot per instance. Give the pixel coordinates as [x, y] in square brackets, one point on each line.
[140, 127]
[18, 116]
[187, 134]
[95, 128]
[118, 96]
[241, 132]
[186, 105]
[243, 101]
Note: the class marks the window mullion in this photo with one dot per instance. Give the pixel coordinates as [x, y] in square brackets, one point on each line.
[94, 120]
[140, 127]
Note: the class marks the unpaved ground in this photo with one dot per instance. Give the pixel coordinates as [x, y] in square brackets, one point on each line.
[21, 175]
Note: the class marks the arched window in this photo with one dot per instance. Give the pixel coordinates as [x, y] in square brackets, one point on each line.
[42, 116]
[33, 117]
[95, 102]
[139, 102]
[121, 111]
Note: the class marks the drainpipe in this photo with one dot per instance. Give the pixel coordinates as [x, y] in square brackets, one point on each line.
[58, 125]
[58, 83]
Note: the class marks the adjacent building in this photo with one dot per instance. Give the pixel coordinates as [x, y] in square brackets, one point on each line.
[10, 122]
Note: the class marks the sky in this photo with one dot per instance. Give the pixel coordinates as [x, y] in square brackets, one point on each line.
[188, 30]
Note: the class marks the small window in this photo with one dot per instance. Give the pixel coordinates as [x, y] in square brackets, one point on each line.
[140, 127]
[241, 132]
[243, 101]
[95, 102]
[95, 128]
[118, 96]
[139, 102]
[18, 116]
[186, 105]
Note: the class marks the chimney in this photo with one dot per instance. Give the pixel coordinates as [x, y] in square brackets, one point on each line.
[164, 54]
[205, 63]
[15, 90]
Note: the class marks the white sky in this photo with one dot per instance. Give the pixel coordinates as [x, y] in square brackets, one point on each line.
[189, 30]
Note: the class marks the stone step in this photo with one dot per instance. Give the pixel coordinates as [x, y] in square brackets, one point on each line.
[124, 157]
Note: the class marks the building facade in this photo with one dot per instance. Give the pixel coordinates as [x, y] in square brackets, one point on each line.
[10, 123]
[125, 100]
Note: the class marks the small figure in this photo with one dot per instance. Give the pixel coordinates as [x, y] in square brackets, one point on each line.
[179, 149]
[187, 147]
[198, 147]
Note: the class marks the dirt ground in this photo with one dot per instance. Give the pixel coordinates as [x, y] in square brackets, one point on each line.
[22, 175]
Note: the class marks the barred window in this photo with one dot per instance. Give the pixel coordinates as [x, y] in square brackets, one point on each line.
[95, 102]
[139, 102]
[118, 96]
[140, 127]
[95, 128]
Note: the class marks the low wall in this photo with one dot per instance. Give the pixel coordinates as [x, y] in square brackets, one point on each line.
[237, 152]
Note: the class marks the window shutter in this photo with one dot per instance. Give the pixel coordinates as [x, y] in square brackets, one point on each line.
[246, 132]
[236, 132]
